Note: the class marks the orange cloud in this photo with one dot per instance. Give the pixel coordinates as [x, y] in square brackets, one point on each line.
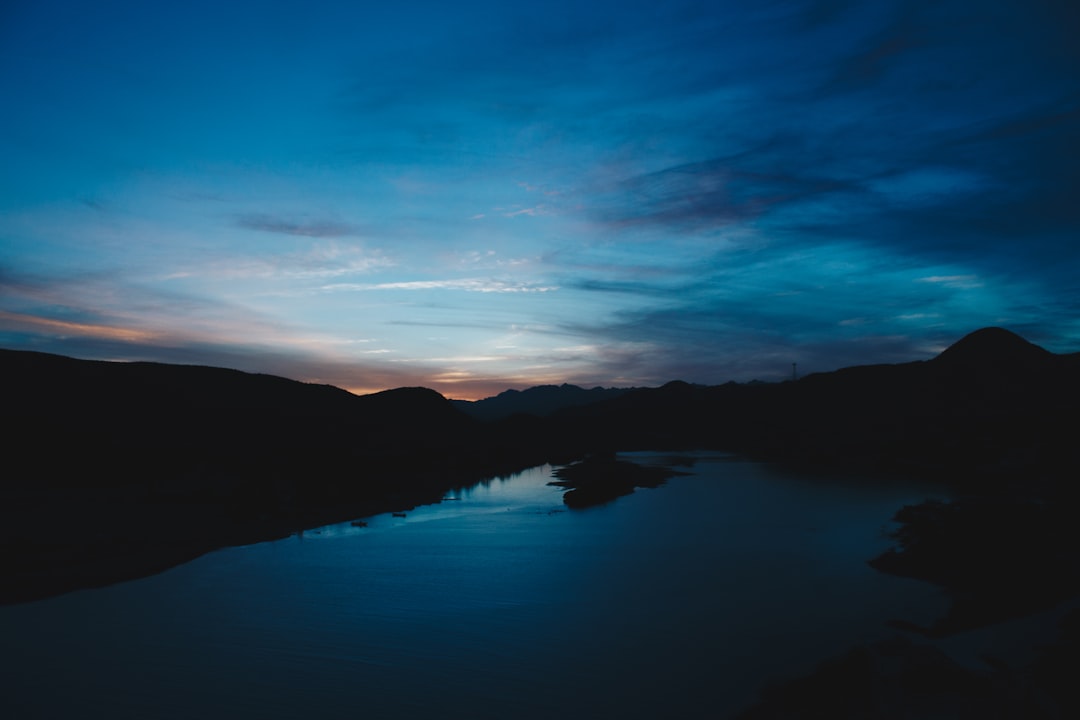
[34, 323]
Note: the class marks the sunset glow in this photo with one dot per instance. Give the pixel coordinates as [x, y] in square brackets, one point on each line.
[473, 196]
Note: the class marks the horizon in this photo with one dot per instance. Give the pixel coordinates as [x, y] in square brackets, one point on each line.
[797, 375]
[486, 197]
[398, 387]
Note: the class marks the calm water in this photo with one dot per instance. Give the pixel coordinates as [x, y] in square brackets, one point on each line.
[679, 601]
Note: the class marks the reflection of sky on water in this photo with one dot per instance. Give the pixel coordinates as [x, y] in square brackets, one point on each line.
[524, 492]
[665, 601]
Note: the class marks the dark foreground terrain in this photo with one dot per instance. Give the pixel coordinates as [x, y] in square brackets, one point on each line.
[143, 465]
[901, 679]
[117, 470]
[1000, 558]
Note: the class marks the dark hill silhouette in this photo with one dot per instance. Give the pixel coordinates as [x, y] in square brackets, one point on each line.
[992, 417]
[992, 404]
[137, 466]
[541, 400]
[135, 418]
[996, 347]
[176, 460]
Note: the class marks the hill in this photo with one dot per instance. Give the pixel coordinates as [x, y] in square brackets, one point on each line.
[990, 406]
[138, 466]
[541, 401]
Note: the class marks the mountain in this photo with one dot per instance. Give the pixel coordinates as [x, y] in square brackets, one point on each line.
[176, 419]
[995, 347]
[135, 467]
[990, 405]
[542, 401]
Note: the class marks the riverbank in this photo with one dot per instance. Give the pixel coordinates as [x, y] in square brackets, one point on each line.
[68, 539]
[1000, 558]
[901, 678]
[689, 587]
[93, 538]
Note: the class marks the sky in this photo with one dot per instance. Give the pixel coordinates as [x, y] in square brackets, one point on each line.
[474, 196]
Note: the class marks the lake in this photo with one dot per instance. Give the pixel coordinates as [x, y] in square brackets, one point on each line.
[679, 601]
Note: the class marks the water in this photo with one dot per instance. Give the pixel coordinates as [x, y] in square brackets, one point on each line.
[679, 601]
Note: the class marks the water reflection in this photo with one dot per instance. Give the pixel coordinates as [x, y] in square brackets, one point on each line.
[498, 604]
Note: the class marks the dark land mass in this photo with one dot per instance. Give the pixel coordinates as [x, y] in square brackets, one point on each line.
[117, 470]
[540, 401]
[992, 410]
[599, 479]
[1000, 557]
[121, 469]
[899, 679]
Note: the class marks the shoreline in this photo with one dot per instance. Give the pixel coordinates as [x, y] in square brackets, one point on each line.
[97, 538]
[82, 539]
[1009, 567]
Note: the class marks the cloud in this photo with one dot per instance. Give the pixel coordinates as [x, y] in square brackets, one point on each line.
[865, 68]
[714, 190]
[465, 284]
[99, 317]
[37, 325]
[321, 260]
[111, 307]
[304, 228]
[965, 282]
[750, 316]
[710, 345]
[711, 193]
[634, 288]
[277, 358]
[529, 211]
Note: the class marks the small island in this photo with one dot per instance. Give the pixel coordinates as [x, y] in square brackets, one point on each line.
[601, 478]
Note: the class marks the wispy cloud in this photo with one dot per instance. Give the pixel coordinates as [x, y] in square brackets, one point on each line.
[701, 190]
[534, 211]
[305, 228]
[27, 323]
[866, 66]
[965, 282]
[709, 194]
[479, 285]
[109, 307]
[323, 259]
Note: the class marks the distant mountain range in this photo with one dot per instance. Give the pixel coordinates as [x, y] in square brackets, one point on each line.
[176, 460]
[542, 401]
[991, 403]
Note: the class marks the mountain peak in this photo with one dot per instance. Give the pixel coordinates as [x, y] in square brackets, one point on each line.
[994, 346]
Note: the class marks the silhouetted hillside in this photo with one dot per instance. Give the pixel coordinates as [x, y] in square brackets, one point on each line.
[134, 467]
[169, 420]
[993, 416]
[542, 401]
[137, 466]
[991, 405]
[995, 347]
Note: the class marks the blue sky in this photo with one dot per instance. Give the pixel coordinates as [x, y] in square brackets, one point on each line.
[480, 195]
